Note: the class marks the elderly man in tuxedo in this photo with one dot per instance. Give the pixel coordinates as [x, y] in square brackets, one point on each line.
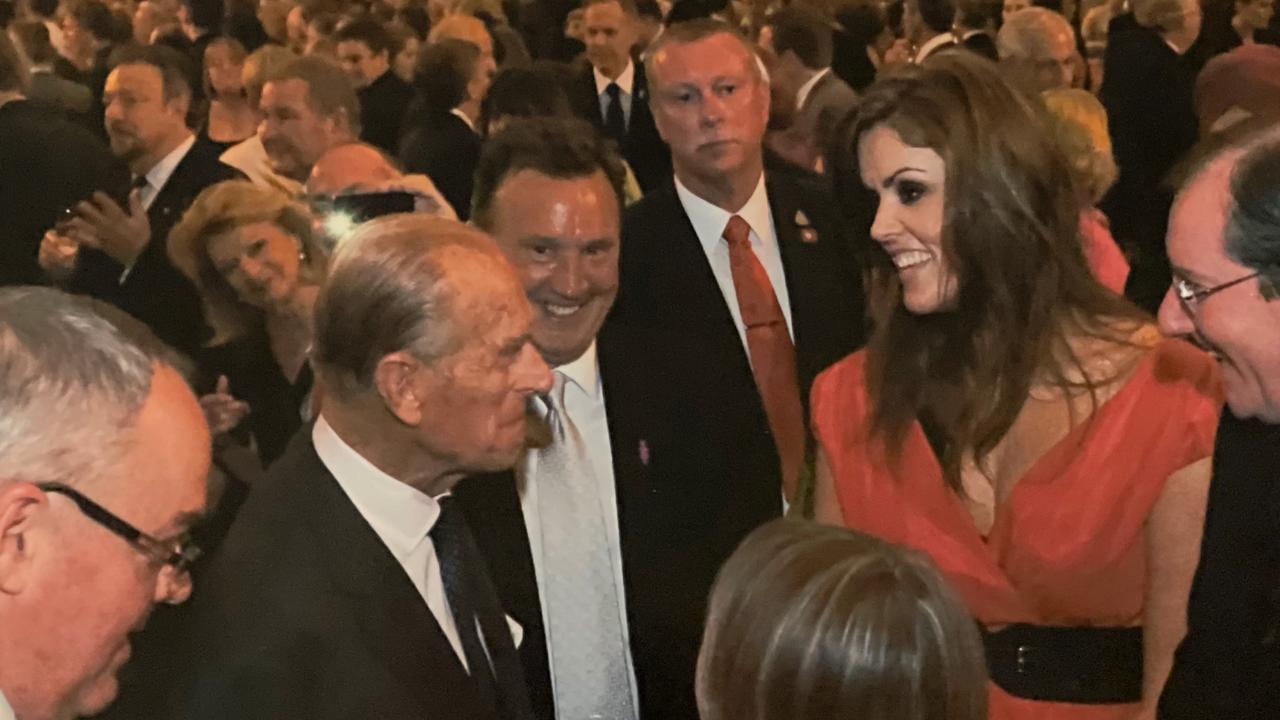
[350, 584]
[93, 531]
[755, 267]
[1224, 248]
[649, 472]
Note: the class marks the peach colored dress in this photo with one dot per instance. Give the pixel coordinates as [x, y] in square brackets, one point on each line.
[1067, 546]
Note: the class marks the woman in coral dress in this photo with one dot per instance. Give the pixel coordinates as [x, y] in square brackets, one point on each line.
[1011, 417]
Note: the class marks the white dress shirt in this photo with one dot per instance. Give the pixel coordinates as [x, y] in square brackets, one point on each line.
[626, 83]
[709, 222]
[803, 93]
[6, 712]
[160, 173]
[584, 403]
[401, 516]
[250, 158]
[456, 112]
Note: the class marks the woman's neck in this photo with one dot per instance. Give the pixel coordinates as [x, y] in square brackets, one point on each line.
[1243, 29]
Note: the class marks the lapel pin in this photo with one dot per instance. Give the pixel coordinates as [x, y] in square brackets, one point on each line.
[644, 452]
[808, 235]
[802, 220]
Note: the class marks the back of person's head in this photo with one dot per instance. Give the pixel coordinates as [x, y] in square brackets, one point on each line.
[43, 8]
[1238, 85]
[443, 73]
[205, 14]
[977, 14]
[1162, 15]
[809, 622]
[804, 32]
[14, 72]
[688, 10]
[175, 69]
[372, 33]
[1079, 124]
[561, 148]
[1027, 32]
[523, 92]
[95, 17]
[329, 90]
[861, 21]
[938, 15]
[33, 38]
[649, 9]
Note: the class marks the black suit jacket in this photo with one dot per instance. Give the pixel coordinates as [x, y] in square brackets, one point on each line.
[666, 280]
[383, 105]
[155, 291]
[1228, 666]
[442, 147]
[306, 614]
[643, 147]
[693, 477]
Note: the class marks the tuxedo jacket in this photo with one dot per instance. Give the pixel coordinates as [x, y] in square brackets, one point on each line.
[666, 281]
[693, 477]
[441, 146]
[305, 613]
[643, 147]
[155, 291]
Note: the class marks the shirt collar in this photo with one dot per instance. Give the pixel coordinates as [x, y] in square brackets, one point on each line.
[465, 118]
[934, 43]
[803, 93]
[160, 173]
[583, 372]
[401, 515]
[625, 81]
[6, 712]
[709, 220]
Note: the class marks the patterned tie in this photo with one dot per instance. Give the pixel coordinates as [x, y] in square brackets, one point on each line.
[615, 121]
[773, 356]
[588, 655]
[473, 601]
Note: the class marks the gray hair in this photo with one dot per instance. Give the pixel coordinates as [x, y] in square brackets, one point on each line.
[1026, 33]
[1253, 225]
[69, 383]
[388, 291]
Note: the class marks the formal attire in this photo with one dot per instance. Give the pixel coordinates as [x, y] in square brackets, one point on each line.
[383, 104]
[678, 271]
[595, 97]
[980, 42]
[1229, 664]
[821, 103]
[336, 595]
[277, 405]
[936, 44]
[48, 164]
[444, 146]
[47, 86]
[1066, 547]
[6, 712]
[1147, 91]
[250, 158]
[152, 289]
[681, 475]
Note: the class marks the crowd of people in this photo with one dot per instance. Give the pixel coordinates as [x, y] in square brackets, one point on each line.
[629, 360]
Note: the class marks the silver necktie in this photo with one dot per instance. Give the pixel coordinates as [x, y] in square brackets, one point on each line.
[588, 655]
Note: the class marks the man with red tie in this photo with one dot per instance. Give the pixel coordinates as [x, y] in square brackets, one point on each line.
[756, 266]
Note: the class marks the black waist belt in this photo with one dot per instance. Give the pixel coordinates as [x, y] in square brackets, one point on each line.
[1085, 665]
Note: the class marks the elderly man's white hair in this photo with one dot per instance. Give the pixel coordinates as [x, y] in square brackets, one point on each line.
[1027, 33]
[69, 383]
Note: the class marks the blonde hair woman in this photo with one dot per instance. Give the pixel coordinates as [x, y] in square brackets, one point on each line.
[252, 254]
[813, 623]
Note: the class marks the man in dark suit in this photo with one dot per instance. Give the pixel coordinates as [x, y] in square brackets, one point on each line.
[611, 530]
[755, 266]
[364, 49]
[115, 248]
[349, 584]
[612, 92]
[1224, 251]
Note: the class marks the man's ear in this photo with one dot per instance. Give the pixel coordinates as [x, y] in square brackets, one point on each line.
[398, 380]
[181, 104]
[21, 506]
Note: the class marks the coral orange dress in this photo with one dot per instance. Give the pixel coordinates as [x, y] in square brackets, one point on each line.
[1067, 546]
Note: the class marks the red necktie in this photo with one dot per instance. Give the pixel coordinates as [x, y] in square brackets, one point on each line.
[773, 356]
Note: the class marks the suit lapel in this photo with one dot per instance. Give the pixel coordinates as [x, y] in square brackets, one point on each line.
[803, 266]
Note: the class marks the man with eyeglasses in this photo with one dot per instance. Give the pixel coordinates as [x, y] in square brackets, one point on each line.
[1224, 247]
[104, 455]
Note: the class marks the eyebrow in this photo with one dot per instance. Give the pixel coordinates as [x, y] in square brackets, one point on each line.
[888, 182]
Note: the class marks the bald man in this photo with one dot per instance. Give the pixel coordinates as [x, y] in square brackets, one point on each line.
[362, 169]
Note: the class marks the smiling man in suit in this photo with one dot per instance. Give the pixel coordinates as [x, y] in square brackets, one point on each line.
[117, 251]
[350, 585]
[612, 92]
[755, 267]
[606, 539]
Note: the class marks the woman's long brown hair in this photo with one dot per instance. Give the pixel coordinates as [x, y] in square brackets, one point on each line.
[1009, 235]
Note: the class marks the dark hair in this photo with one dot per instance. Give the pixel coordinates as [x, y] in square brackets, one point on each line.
[33, 37]
[416, 18]
[13, 70]
[95, 17]
[862, 22]
[649, 9]
[977, 14]
[628, 6]
[1253, 225]
[175, 69]
[689, 10]
[1009, 234]
[804, 32]
[443, 72]
[524, 92]
[368, 31]
[205, 14]
[43, 8]
[563, 148]
[937, 14]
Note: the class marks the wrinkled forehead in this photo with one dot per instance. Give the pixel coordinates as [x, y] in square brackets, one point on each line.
[702, 61]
